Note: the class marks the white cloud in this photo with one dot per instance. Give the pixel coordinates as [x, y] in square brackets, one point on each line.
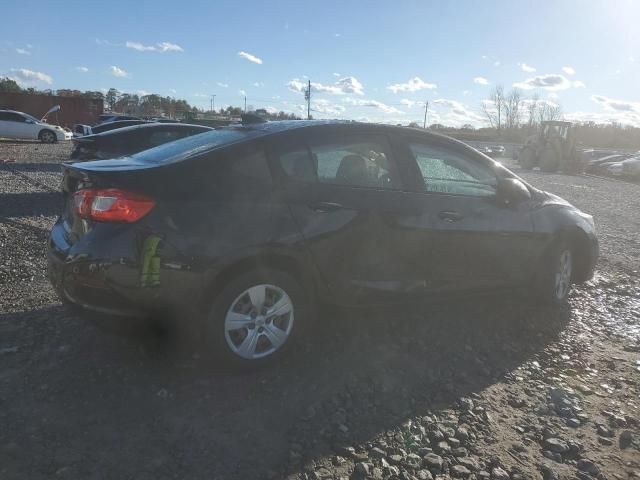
[412, 85]
[337, 35]
[457, 114]
[117, 72]
[481, 81]
[342, 86]
[142, 93]
[612, 104]
[620, 117]
[158, 47]
[359, 102]
[407, 102]
[553, 95]
[242, 93]
[568, 70]
[550, 82]
[173, 90]
[335, 74]
[327, 108]
[82, 69]
[258, 84]
[200, 95]
[466, 92]
[350, 85]
[22, 51]
[223, 85]
[251, 58]
[526, 68]
[25, 76]
[578, 84]
[496, 63]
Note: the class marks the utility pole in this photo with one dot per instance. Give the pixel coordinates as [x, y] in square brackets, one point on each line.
[426, 109]
[245, 104]
[213, 102]
[307, 97]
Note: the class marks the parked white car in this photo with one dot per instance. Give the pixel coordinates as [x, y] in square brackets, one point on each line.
[22, 125]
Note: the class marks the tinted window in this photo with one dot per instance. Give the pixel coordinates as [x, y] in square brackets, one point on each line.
[160, 137]
[191, 146]
[240, 172]
[447, 171]
[297, 164]
[12, 117]
[355, 160]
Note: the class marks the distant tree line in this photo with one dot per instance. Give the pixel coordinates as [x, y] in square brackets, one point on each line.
[151, 105]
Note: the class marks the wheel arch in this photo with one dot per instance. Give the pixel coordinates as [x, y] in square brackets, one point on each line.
[267, 261]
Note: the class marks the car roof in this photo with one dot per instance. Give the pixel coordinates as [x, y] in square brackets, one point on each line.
[206, 142]
[13, 111]
[150, 125]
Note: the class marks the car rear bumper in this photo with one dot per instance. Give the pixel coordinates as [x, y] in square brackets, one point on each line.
[109, 275]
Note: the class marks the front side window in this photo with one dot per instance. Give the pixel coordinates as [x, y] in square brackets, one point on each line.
[450, 172]
[356, 161]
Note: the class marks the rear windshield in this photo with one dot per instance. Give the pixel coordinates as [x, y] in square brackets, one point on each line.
[190, 146]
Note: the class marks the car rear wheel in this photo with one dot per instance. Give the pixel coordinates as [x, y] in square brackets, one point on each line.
[555, 278]
[47, 136]
[527, 158]
[257, 317]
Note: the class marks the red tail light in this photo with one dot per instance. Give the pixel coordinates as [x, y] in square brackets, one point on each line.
[111, 205]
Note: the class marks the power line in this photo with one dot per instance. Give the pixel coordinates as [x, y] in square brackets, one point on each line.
[307, 97]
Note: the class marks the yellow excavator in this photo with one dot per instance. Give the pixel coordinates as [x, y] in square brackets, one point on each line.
[553, 149]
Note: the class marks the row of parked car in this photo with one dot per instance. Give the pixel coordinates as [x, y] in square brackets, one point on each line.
[614, 163]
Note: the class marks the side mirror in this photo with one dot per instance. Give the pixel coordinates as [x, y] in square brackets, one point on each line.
[512, 191]
[29, 121]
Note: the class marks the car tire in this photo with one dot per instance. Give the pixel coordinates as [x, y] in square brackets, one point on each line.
[47, 136]
[527, 158]
[554, 278]
[549, 160]
[239, 328]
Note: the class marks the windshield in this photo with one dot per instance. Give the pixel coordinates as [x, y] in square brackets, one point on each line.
[190, 146]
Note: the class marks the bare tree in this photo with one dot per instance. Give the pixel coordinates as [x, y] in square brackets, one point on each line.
[493, 107]
[548, 112]
[512, 109]
[532, 109]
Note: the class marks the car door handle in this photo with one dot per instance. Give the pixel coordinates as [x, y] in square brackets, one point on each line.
[450, 216]
[325, 207]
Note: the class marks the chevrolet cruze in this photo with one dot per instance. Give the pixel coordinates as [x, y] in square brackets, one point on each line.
[240, 232]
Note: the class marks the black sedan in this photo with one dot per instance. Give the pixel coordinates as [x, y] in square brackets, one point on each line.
[130, 140]
[240, 232]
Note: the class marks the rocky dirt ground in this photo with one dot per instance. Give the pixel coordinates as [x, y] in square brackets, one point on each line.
[481, 389]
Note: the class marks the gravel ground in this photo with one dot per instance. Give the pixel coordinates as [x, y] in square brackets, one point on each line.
[482, 389]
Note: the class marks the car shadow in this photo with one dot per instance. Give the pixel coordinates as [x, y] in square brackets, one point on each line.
[38, 167]
[163, 408]
[30, 204]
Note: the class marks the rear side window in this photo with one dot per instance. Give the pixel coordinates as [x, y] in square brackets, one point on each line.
[357, 161]
[239, 173]
[191, 146]
[350, 160]
[165, 136]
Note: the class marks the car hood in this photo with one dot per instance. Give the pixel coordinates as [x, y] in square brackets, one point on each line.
[547, 199]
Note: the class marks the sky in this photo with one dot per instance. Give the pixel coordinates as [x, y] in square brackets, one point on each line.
[376, 61]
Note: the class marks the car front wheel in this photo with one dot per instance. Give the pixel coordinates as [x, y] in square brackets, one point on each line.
[555, 279]
[257, 317]
[47, 136]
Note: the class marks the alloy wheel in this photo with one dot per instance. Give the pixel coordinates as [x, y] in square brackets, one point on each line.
[563, 274]
[259, 321]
